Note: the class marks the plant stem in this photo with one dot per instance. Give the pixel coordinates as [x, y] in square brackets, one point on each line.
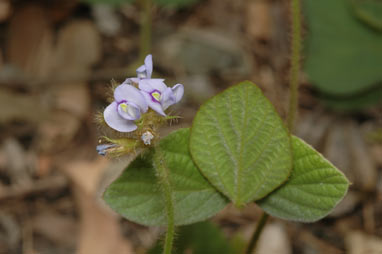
[164, 181]
[145, 29]
[295, 11]
[256, 235]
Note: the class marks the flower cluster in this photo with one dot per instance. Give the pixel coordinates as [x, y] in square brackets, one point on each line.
[139, 105]
[130, 102]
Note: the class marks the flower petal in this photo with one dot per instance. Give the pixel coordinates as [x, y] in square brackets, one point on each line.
[129, 111]
[149, 65]
[116, 122]
[146, 70]
[141, 72]
[167, 98]
[130, 94]
[156, 106]
[178, 90]
[102, 149]
[148, 85]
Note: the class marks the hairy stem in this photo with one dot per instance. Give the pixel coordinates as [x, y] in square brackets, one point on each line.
[164, 181]
[256, 235]
[145, 32]
[295, 12]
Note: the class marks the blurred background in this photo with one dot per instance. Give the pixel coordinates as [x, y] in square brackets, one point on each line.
[57, 60]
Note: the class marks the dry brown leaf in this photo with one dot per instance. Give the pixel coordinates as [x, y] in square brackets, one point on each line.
[376, 152]
[74, 98]
[363, 165]
[360, 243]
[15, 106]
[58, 228]
[274, 239]
[78, 48]
[312, 244]
[336, 148]
[17, 163]
[313, 126]
[5, 10]
[87, 175]
[61, 9]
[99, 228]
[30, 41]
[259, 20]
[347, 205]
[57, 131]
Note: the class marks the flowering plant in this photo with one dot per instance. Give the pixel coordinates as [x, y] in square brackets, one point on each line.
[133, 107]
[238, 151]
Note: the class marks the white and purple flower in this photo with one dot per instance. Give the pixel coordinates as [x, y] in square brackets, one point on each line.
[143, 72]
[128, 105]
[104, 148]
[158, 96]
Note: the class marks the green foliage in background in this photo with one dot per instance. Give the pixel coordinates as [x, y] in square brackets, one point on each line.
[175, 3]
[369, 11]
[199, 238]
[165, 3]
[344, 50]
[110, 2]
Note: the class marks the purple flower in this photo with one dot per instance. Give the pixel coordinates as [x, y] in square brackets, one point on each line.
[127, 107]
[143, 72]
[158, 96]
[102, 149]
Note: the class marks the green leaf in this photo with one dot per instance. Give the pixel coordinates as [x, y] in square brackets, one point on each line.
[357, 102]
[369, 11]
[137, 195]
[240, 144]
[176, 3]
[343, 55]
[314, 188]
[199, 238]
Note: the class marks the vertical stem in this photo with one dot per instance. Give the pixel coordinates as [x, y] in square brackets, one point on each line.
[256, 235]
[295, 11]
[164, 181]
[145, 29]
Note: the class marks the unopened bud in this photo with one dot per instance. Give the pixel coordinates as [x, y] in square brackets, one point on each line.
[147, 137]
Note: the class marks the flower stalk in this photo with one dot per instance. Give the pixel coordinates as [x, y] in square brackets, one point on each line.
[145, 29]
